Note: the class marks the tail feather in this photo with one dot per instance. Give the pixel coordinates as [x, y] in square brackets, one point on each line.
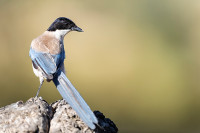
[71, 95]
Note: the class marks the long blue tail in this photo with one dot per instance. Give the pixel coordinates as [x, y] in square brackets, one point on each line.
[71, 95]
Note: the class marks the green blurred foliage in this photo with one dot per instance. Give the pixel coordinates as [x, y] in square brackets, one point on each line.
[137, 61]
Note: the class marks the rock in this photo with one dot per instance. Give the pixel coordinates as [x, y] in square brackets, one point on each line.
[65, 119]
[105, 124]
[36, 115]
[32, 116]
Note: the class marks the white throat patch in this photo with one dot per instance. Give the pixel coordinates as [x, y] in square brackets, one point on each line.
[60, 34]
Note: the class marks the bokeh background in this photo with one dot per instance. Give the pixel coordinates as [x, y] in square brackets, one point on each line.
[137, 61]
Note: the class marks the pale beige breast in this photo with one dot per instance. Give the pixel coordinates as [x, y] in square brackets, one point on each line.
[46, 43]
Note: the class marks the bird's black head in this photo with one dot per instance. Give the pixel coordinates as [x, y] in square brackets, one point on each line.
[63, 23]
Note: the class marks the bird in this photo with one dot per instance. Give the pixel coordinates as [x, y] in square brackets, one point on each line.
[47, 54]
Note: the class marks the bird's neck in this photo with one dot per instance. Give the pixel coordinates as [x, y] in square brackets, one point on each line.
[59, 34]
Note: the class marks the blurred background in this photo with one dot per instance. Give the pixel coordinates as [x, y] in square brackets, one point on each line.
[137, 61]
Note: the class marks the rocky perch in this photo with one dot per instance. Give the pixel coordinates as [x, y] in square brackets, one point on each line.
[37, 116]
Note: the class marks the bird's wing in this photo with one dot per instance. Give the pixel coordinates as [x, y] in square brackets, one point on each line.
[45, 62]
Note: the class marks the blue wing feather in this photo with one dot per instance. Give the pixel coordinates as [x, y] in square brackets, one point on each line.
[47, 62]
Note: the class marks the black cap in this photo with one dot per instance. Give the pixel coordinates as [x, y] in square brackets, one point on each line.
[63, 23]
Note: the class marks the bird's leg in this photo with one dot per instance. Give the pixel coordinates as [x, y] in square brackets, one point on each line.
[41, 82]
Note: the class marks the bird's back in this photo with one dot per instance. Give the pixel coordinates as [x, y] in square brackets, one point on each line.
[46, 43]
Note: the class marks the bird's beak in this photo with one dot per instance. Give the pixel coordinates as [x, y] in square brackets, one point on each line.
[77, 29]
